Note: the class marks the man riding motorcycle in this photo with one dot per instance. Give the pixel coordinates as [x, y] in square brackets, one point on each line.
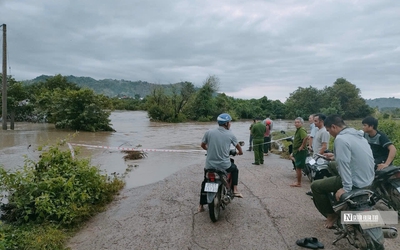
[355, 165]
[217, 143]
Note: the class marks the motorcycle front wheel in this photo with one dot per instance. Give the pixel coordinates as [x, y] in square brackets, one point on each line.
[215, 206]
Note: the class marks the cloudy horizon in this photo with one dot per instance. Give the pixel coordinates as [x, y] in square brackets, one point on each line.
[256, 48]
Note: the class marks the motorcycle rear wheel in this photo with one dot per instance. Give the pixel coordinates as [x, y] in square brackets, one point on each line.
[215, 206]
[370, 239]
[394, 197]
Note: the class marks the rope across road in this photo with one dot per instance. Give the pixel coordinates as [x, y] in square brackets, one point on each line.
[150, 149]
[136, 149]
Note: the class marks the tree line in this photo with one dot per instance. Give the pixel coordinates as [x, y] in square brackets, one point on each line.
[68, 106]
[205, 104]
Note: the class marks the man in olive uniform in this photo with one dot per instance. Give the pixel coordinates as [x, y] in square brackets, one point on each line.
[299, 149]
[257, 131]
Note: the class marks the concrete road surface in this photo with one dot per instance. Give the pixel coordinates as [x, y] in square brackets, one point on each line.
[272, 215]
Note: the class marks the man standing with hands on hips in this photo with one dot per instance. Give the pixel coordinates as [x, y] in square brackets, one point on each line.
[299, 149]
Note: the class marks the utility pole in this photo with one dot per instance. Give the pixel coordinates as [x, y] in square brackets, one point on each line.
[4, 92]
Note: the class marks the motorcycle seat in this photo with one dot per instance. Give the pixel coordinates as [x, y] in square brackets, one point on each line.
[354, 193]
[387, 171]
[218, 171]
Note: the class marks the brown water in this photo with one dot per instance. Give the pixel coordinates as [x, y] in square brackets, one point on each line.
[133, 129]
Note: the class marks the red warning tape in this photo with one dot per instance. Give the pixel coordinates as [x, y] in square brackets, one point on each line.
[136, 149]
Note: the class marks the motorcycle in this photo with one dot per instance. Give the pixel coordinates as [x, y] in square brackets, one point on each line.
[219, 189]
[358, 200]
[386, 187]
[356, 234]
[317, 167]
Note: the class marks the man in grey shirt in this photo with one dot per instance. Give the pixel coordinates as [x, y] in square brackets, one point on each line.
[355, 165]
[217, 142]
[321, 138]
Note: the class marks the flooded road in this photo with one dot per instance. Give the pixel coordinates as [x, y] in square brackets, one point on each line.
[133, 130]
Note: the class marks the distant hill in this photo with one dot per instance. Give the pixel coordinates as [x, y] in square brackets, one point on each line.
[384, 103]
[111, 87]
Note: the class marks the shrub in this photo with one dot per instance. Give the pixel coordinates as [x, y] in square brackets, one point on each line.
[392, 129]
[58, 190]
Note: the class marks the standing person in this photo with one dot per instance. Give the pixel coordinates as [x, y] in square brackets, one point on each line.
[258, 131]
[299, 149]
[383, 149]
[217, 143]
[267, 137]
[313, 131]
[355, 165]
[271, 125]
[321, 139]
[251, 136]
[269, 119]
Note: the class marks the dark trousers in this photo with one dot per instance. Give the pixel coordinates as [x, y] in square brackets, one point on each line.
[320, 189]
[267, 144]
[234, 176]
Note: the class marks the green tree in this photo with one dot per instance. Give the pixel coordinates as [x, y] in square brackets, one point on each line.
[303, 102]
[80, 110]
[180, 98]
[349, 97]
[277, 109]
[68, 106]
[159, 105]
[17, 99]
[203, 107]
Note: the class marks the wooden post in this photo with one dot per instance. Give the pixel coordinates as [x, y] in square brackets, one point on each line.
[4, 92]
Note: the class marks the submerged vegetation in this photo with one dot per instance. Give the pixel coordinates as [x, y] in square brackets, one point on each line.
[134, 155]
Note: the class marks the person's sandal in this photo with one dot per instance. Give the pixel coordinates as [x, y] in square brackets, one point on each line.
[306, 243]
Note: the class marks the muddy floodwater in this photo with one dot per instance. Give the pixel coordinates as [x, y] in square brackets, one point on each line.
[133, 130]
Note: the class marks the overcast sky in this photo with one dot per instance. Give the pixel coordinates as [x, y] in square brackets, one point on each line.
[255, 47]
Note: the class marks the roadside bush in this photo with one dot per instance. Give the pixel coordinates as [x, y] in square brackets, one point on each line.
[392, 129]
[58, 191]
[32, 236]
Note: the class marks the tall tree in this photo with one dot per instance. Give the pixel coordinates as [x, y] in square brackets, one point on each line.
[303, 102]
[349, 97]
[203, 107]
[180, 98]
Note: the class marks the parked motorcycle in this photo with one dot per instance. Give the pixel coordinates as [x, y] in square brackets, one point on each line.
[219, 189]
[359, 200]
[317, 167]
[357, 235]
[386, 187]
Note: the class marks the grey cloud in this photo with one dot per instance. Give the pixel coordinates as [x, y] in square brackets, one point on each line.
[276, 46]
